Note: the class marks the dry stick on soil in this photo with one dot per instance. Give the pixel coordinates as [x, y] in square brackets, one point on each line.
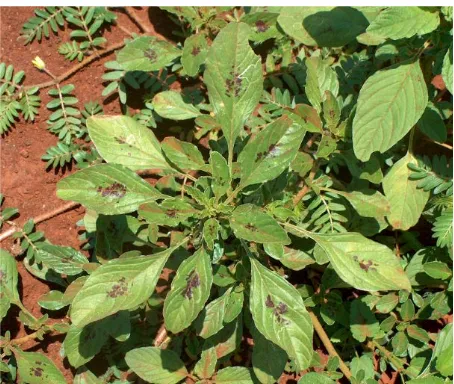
[132, 14]
[40, 218]
[328, 345]
[77, 67]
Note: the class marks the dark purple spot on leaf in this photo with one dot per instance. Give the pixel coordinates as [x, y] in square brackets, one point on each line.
[171, 212]
[37, 372]
[115, 190]
[281, 308]
[193, 281]
[151, 54]
[119, 289]
[120, 140]
[261, 26]
[269, 303]
[251, 227]
[365, 265]
[233, 84]
[195, 51]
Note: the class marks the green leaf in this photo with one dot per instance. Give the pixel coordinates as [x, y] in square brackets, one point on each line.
[427, 380]
[268, 360]
[437, 270]
[404, 22]
[8, 282]
[417, 333]
[360, 262]
[326, 147]
[234, 79]
[147, 53]
[280, 315]
[117, 285]
[82, 344]
[221, 174]
[387, 303]
[363, 323]
[35, 368]
[84, 376]
[234, 375]
[171, 105]
[189, 292]
[234, 304]
[195, 51]
[64, 260]
[432, 125]
[407, 310]
[292, 258]
[184, 155]
[210, 232]
[228, 339]
[322, 26]
[52, 300]
[442, 351]
[400, 344]
[442, 229]
[331, 111]
[444, 363]
[263, 25]
[406, 200]
[109, 189]
[250, 223]
[446, 70]
[211, 320]
[306, 116]
[169, 212]
[315, 378]
[390, 103]
[159, 366]
[206, 366]
[270, 152]
[320, 78]
[370, 204]
[122, 140]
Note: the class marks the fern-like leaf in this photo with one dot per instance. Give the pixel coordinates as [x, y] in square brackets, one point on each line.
[9, 112]
[72, 51]
[60, 155]
[30, 102]
[15, 99]
[45, 20]
[433, 175]
[443, 228]
[119, 80]
[65, 120]
[88, 21]
[325, 213]
[91, 108]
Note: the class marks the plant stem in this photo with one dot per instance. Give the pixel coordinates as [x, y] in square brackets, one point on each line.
[328, 345]
[388, 355]
[132, 14]
[444, 145]
[160, 336]
[77, 67]
[299, 196]
[43, 217]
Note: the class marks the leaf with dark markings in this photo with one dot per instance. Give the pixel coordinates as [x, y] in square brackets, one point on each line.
[109, 189]
[189, 291]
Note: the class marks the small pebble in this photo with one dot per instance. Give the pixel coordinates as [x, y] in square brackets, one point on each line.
[24, 153]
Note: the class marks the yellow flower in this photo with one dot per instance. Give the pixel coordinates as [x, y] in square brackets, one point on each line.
[39, 63]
